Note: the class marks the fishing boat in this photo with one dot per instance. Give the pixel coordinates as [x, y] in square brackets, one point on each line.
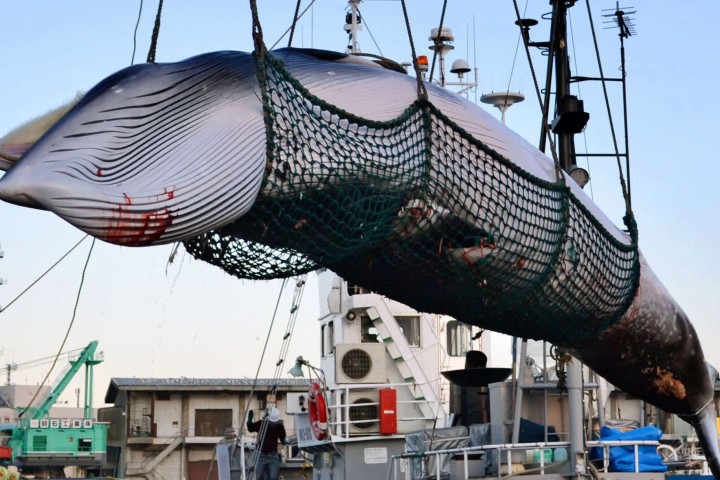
[410, 395]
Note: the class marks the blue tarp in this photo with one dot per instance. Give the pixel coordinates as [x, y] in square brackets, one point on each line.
[622, 459]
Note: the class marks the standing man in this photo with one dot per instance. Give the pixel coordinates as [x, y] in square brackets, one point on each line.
[271, 434]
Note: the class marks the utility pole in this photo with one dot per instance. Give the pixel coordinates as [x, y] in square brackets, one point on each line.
[2, 280]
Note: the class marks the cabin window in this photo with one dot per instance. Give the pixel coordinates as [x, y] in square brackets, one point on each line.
[368, 332]
[323, 352]
[85, 445]
[212, 422]
[327, 340]
[458, 338]
[356, 289]
[410, 327]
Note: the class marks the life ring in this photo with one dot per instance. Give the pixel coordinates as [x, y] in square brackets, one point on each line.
[318, 411]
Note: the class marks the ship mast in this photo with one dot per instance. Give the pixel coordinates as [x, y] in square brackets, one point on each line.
[570, 119]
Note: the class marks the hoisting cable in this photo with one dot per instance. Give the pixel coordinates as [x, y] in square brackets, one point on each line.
[302, 14]
[517, 47]
[422, 91]
[371, 34]
[137, 24]
[155, 34]
[262, 355]
[629, 218]
[43, 274]
[295, 20]
[69, 328]
[438, 40]
[294, 309]
[260, 56]
[579, 90]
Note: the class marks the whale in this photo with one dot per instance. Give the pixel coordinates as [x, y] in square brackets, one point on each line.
[196, 150]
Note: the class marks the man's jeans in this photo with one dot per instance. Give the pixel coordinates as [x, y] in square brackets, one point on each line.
[267, 467]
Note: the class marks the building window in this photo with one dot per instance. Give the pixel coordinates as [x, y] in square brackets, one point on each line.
[212, 422]
[458, 338]
[410, 327]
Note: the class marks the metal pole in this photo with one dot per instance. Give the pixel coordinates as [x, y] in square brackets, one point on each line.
[548, 83]
[575, 411]
[519, 394]
[562, 74]
[625, 114]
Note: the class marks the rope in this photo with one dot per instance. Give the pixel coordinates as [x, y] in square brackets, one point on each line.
[517, 47]
[137, 24]
[295, 19]
[579, 90]
[629, 218]
[302, 14]
[422, 91]
[2, 310]
[257, 372]
[267, 339]
[67, 333]
[367, 26]
[261, 69]
[260, 49]
[155, 34]
[299, 289]
[437, 40]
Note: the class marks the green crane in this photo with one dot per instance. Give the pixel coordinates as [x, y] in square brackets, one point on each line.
[88, 358]
[46, 445]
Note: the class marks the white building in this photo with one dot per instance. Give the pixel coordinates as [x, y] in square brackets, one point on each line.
[167, 428]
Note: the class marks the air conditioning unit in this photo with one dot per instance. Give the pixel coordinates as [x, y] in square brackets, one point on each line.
[364, 412]
[360, 363]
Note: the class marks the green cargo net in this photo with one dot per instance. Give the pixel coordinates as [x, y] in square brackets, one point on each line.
[418, 210]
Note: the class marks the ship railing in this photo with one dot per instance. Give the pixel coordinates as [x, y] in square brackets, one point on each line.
[340, 403]
[504, 453]
[636, 444]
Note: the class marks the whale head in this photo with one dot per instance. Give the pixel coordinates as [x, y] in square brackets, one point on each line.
[149, 154]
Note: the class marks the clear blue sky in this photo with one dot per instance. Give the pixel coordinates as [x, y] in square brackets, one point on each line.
[193, 320]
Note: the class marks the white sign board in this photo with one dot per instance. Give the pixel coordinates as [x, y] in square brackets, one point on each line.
[376, 455]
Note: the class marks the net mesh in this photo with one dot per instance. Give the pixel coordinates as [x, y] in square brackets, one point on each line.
[419, 210]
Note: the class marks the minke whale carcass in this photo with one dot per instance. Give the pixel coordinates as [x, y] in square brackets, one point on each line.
[338, 163]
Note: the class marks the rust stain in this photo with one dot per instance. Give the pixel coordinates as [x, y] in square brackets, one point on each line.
[667, 384]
